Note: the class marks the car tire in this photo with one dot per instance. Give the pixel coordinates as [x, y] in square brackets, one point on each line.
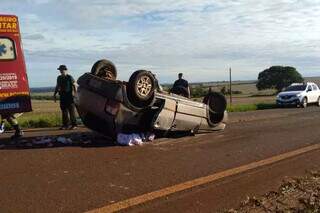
[217, 105]
[182, 91]
[104, 69]
[318, 103]
[140, 88]
[304, 103]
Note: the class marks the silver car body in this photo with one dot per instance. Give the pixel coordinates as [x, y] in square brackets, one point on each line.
[104, 107]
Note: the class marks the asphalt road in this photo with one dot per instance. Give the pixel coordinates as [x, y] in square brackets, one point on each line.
[78, 179]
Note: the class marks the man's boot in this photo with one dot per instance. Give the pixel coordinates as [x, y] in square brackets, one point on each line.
[18, 132]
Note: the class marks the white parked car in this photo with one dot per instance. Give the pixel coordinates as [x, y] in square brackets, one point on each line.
[299, 94]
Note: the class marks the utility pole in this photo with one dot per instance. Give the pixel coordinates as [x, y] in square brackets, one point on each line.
[230, 84]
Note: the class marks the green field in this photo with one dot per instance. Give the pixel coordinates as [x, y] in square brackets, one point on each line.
[42, 96]
[44, 114]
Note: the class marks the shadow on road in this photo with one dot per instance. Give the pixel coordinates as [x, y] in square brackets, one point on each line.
[48, 138]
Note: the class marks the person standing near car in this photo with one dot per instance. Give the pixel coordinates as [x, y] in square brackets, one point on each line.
[66, 88]
[182, 83]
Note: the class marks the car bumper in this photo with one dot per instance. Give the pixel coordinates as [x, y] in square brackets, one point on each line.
[288, 102]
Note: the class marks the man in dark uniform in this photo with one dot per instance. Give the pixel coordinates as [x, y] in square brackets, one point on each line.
[181, 83]
[66, 88]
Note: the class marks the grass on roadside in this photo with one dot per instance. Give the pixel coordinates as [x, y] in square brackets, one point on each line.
[251, 107]
[38, 120]
[42, 97]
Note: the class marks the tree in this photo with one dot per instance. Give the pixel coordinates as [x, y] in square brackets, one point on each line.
[278, 77]
[198, 92]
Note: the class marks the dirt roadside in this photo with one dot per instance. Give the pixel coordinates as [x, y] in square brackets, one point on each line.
[300, 194]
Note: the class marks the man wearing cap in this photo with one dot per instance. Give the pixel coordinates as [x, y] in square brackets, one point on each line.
[66, 88]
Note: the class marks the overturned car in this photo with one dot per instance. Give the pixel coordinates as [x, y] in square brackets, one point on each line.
[110, 106]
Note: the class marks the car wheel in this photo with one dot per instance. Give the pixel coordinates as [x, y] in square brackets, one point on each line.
[141, 88]
[217, 105]
[304, 103]
[318, 103]
[104, 69]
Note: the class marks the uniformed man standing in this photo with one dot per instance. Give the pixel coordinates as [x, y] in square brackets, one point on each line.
[181, 83]
[66, 88]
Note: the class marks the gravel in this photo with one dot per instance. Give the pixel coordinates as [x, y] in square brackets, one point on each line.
[300, 194]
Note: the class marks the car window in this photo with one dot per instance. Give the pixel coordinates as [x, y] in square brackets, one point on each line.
[314, 87]
[7, 50]
[309, 88]
[296, 88]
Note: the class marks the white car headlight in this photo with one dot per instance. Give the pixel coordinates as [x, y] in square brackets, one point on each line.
[298, 95]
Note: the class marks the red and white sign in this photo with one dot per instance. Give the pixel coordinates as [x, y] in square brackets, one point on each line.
[14, 87]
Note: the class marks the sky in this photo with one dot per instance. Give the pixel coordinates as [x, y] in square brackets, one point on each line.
[201, 38]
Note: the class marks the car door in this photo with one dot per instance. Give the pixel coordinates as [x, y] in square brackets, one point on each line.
[315, 93]
[165, 119]
[309, 94]
[189, 115]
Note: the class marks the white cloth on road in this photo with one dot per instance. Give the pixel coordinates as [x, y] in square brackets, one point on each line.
[134, 138]
[64, 140]
[2, 128]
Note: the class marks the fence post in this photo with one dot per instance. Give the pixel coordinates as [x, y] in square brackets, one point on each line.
[230, 88]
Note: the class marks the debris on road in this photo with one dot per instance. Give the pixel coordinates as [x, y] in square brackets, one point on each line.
[294, 195]
[42, 140]
[80, 139]
[53, 141]
[134, 138]
[63, 140]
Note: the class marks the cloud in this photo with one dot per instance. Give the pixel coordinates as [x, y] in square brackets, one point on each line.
[202, 38]
[33, 37]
